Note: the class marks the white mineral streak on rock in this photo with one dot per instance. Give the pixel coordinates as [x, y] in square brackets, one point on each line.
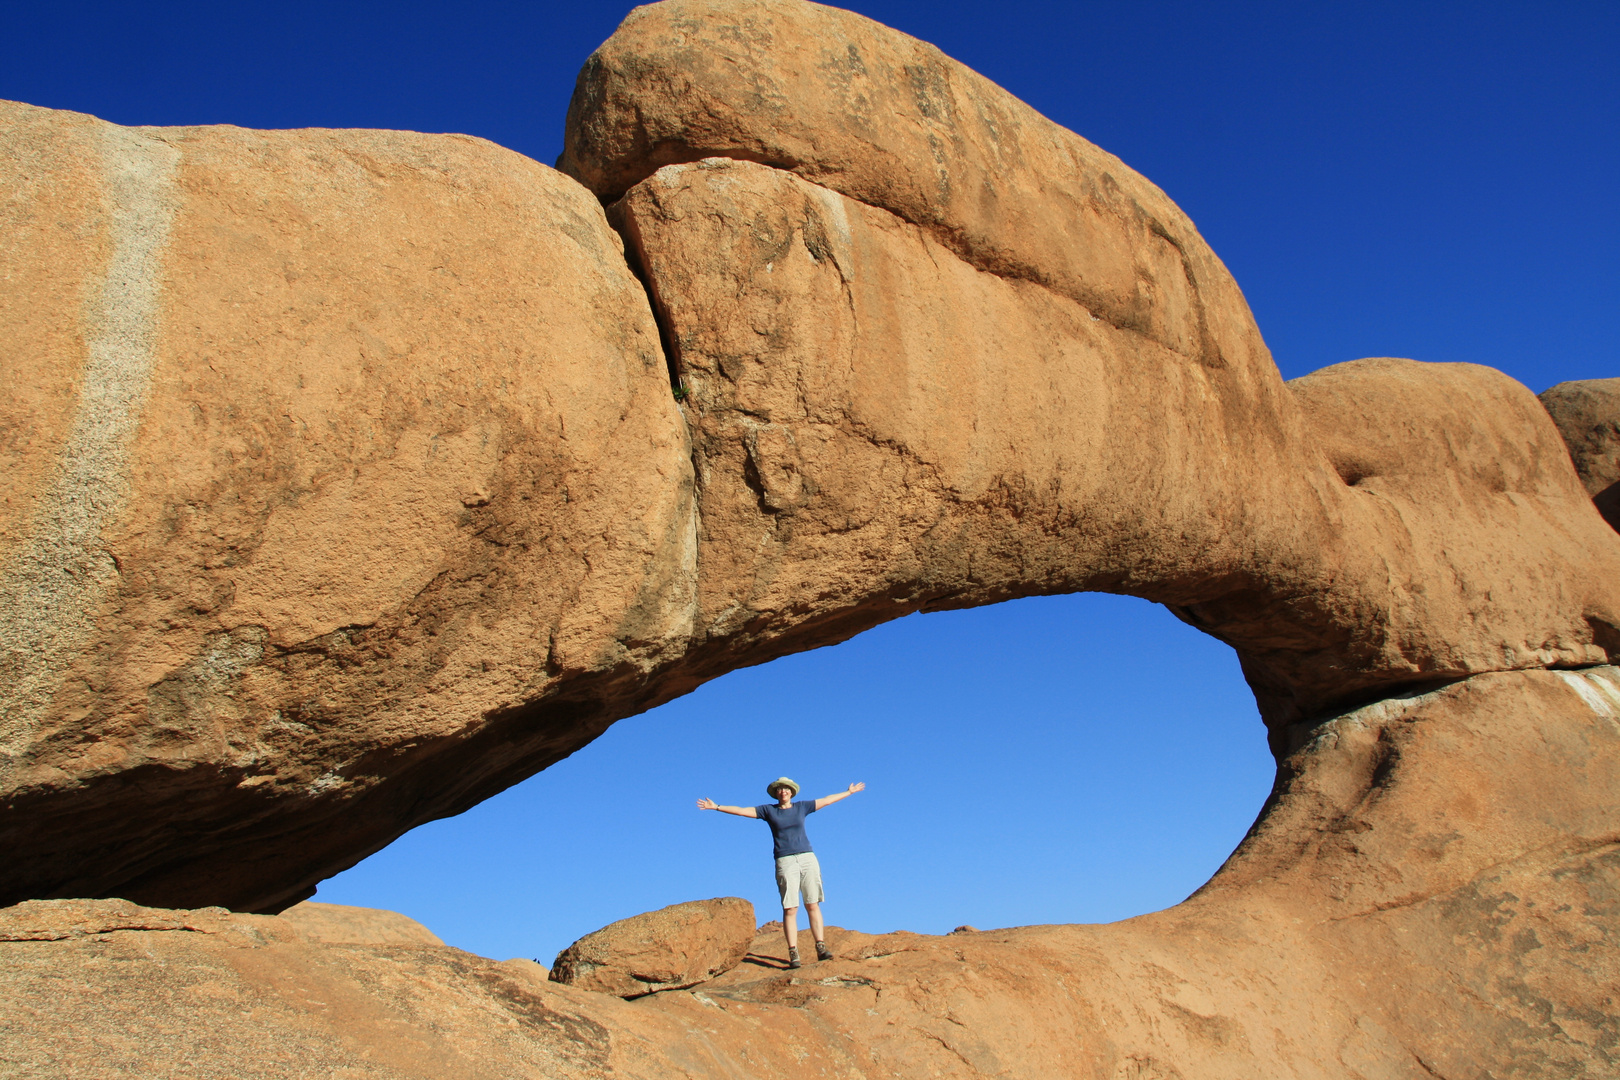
[50, 593]
[1598, 692]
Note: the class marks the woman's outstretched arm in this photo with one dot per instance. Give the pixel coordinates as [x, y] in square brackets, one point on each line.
[828, 800]
[740, 811]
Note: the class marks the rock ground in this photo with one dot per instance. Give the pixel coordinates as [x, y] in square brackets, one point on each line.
[1432, 892]
[342, 924]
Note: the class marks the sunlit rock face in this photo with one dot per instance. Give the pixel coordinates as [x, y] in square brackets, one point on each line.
[876, 420]
[328, 454]
[345, 485]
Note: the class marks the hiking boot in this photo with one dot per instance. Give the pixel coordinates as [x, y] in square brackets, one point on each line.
[793, 958]
[822, 952]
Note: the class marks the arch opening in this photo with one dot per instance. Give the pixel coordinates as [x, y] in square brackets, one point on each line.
[1058, 759]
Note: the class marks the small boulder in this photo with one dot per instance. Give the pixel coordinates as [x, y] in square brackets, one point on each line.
[673, 947]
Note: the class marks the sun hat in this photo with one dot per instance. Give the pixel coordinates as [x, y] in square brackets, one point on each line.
[780, 781]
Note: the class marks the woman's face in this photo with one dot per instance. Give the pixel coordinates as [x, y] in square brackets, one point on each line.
[783, 793]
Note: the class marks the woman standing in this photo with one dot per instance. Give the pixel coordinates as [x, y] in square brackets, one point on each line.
[797, 870]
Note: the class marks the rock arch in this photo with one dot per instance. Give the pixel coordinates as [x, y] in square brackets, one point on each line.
[408, 510]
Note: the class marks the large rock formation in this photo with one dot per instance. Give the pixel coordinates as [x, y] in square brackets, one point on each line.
[326, 454]
[344, 485]
[879, 425]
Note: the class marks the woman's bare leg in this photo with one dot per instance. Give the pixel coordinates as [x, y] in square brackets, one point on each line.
[814, 911]
[790, 925]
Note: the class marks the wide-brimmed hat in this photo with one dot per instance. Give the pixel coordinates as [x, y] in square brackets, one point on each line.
[780, 781]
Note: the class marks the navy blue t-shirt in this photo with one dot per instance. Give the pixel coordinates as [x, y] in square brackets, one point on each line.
[787, 827]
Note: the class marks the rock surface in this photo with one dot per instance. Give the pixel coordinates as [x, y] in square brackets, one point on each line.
[143, 992]
[1434, 891]
[878, 426]
[891, 122]
[977, 357]
[1588, 416]
[668, 949]
[342, 924]
[327, 455]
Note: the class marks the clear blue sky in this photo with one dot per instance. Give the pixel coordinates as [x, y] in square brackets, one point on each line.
[1436, 181]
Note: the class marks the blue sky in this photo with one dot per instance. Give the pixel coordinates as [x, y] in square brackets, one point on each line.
[1427, 180]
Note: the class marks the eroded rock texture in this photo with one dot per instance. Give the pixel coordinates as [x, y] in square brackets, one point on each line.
[344, 485]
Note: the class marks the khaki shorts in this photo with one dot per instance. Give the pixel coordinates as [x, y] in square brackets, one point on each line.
[799, 873]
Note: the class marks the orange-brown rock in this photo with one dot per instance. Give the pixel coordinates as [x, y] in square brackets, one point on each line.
[878, 425]
[341, 923]
[146, 993]
[326, 456]
[1588, 416]
[343, 485]
[892, 122]
[668, 949]
[1432, 892]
